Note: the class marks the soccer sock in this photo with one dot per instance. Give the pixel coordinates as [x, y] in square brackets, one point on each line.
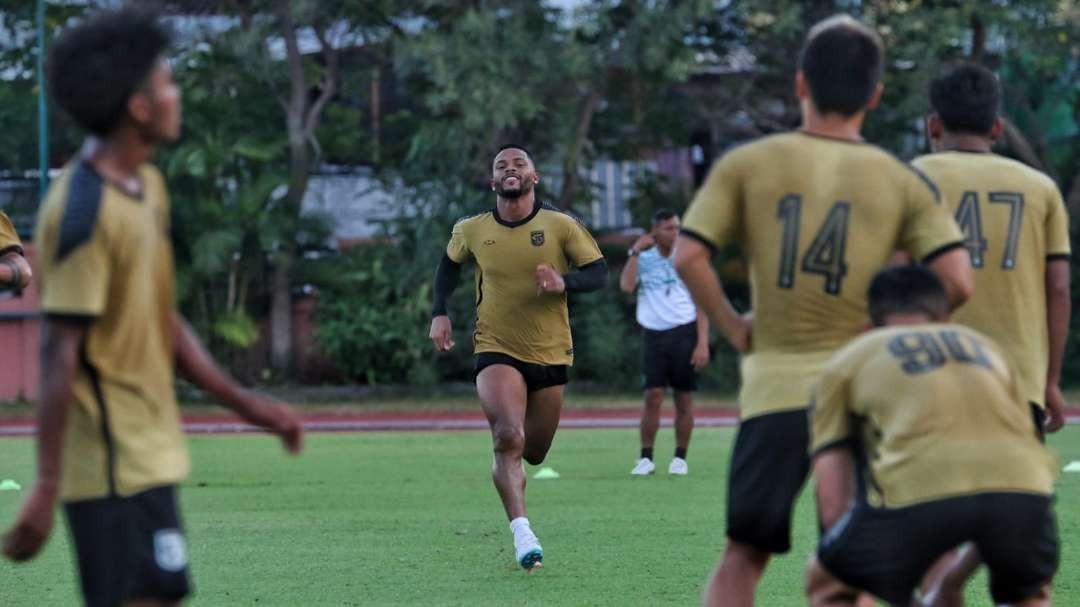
[646, 452]
[680, 452]
[519, 524]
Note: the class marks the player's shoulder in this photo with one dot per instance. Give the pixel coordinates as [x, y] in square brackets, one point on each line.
[985, 161]
[73, 207]
[974, 335]
[560, 214]
[914, 173]
[561, 217]
[862, 346]
[473, 219]
[758, 150]
[1038, 179]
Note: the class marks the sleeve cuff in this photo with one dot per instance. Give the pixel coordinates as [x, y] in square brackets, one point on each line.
[590, 263]
[698, 237]
[833, 444]
[71, 317]
[14, 248]
[938, 252]
[1059, 257]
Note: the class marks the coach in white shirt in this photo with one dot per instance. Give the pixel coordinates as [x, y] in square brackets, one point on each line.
[674, 339]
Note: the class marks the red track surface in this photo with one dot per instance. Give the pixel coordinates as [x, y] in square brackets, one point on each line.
[433, 420]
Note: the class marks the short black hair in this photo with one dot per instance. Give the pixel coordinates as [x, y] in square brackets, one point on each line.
[842, 61]
[662, 215]
[513, 146]
[95, 66]
[910, 289]
[967, 97]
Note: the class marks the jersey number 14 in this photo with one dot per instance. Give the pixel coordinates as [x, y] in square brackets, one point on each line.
[826, 253]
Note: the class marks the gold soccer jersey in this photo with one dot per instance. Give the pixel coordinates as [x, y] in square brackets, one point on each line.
[935, 411]
[9, 240]
[106, 258]
[1014, 220]
[816, 218]
[511, 317]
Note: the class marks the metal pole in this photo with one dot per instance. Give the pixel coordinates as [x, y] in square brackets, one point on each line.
[43, 109]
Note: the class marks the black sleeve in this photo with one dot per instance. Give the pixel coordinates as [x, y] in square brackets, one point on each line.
[446, 280]
[589, 277]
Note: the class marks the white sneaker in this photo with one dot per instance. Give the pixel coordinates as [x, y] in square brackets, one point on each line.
[644, 467]
[527, 550]
[678, 466]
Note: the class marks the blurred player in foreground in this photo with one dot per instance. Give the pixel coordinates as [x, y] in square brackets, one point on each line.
[817, 212]
[15, 273]
[110, 443]
[922, 440]
[1016, 229]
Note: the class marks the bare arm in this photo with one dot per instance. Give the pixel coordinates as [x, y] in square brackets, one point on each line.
[700, 357]
[692, 264]
[953, 267]
[629, 275]
[834, 471]
[15, 271]
[61, 342]
[194, 363]
[1058, 311]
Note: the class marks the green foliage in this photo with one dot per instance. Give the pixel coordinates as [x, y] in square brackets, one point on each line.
[370, 321]
[456, 79]
[606, 346]
[237, 329]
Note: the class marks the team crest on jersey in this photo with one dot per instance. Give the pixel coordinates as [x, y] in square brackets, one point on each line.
[537, 238]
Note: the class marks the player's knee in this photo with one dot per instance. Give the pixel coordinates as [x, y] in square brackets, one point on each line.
[823, 590]
[508, 439]
[534, 456]
[654, 397]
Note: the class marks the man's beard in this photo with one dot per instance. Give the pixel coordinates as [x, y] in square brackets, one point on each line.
[523, 187]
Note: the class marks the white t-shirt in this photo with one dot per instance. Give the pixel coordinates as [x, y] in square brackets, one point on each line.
[663, 301]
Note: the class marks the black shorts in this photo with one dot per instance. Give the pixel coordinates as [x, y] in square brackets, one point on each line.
[887, 551]
[537, 377]
[665, 358]
[769, 465]
[1038, 417]
[130, 547]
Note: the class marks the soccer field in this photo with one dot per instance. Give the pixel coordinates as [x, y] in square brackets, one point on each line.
[412, 518]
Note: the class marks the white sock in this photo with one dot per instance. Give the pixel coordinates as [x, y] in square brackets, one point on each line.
[519, 524]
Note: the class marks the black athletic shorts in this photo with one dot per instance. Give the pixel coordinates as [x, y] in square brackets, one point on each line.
[130, 547]
[769, 465]
[887, 551]
[1038, 416]
[665, 358]
[537, 377]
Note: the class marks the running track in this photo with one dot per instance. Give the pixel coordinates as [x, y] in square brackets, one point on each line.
[427, 421]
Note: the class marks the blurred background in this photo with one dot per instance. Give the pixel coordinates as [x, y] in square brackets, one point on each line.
[329, 147]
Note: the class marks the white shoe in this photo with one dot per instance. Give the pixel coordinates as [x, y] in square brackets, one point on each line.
[678, 466]
[527, 550]
[644, 467]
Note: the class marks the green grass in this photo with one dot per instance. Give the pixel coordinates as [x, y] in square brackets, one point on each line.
[411, 518]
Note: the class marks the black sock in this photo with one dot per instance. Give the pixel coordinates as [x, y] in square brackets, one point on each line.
[680, 452]
[646, 452]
